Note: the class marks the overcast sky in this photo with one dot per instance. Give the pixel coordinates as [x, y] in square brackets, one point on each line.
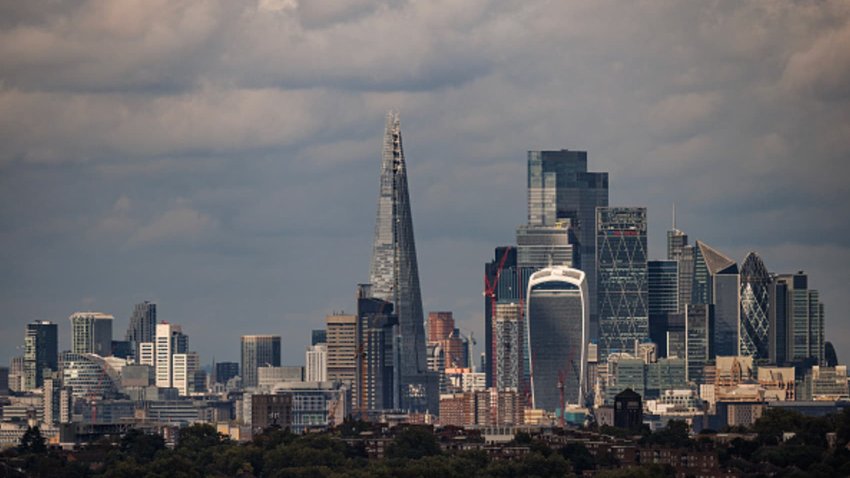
[221, 158]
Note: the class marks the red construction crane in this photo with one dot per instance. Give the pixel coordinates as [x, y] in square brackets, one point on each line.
[490, 291]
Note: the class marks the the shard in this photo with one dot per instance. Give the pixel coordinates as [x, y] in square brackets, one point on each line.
[394, 274]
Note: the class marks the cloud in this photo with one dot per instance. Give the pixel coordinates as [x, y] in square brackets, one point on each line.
[181, 225]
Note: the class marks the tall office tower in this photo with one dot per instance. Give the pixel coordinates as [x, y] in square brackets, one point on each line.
[675, 337]
[41, 351]
[440, 326]
[342, 349]
[558, 319]
[717, 281]
[510, 338]
[621, 270]
[755, 312]
[52, 387]
[663, 299]
[560, 187]
[678, 250]
[142, 327]
[91, 333]
[316, 363]
[318, 336]
[4, 381]
[258, 351]
[544, 246]
[169, 340]
[441, 330]
[394, 273]
[224, 371]
[699, 340]
[803, 316]
[502, 286]
[376, 367]
[184, 367]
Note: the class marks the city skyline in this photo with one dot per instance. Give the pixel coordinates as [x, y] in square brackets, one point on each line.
[228, 227]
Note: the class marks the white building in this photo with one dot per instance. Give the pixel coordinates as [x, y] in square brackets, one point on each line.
[183, 372]
[316, 361]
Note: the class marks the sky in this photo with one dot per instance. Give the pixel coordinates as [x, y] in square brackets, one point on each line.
[221, 158]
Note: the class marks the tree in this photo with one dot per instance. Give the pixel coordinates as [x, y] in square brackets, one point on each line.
[413, 443]
[140, 445]
[32, 441]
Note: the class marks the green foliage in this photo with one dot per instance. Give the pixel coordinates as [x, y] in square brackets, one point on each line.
[412, 443]
[32, 441]
[141, 446]
[675, 434]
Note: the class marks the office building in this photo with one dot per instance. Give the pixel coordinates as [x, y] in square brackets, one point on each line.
[318, 336]
[377, 384]
[4, 381]
[797, 313]
[258, 351]
[510, 337]
[755, 308]
[88, 375]
[268, 376]
[394, 273]
[316, 405]
[270, 411]
[142, 327]
[699, 345]
[41, 351]
[663, 299]
[91, 333]
[183, 373]
[561, 188]
[622, 273]
[558, 320]
[342, 348]
[224, 371]
[147, 354]
[316, 363]
[628, 410]
[442, 331]
[503, 285]
[543, 246]
[169, 341]
[717, 281]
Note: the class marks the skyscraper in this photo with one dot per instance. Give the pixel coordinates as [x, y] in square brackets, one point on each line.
[342, 349]
[41, 351]
[509, 346]
[560, 187]
[503, 285]
[169, 340]
[376, 365]
[802, 313]
[663, 297]
[394, 273]
[621, 269]
[755, 303]
[557, 315]
[699, 340]
[142, 327]
[316, 363]
[258, 351]
[91, 333]
[717, 281]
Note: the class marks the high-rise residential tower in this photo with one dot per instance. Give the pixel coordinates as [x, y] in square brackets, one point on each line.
[560, 187]
[41, 351]
[621, 269]
[557, 315]
[755, 308]
[142, 327]
[258, 351]
[394, 273]
[91, 333]
[169, 341]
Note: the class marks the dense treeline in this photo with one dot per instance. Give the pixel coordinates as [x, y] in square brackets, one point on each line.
[818, 447]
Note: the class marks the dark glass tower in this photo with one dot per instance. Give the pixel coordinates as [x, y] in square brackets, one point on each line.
[142, 326]
[621, 269]
[394, 273]
[40, 352]
[717, 281]
[663, 296]
[755, 302]
[560, 187]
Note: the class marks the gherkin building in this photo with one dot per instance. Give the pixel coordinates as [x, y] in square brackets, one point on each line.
[755, 300]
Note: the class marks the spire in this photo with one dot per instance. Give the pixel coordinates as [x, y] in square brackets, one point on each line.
[674, 216]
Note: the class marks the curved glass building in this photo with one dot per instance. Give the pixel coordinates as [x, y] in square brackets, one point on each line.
[755, 301]
[558, 315]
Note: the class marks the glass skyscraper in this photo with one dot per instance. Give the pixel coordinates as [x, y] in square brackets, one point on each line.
[557, 315]
[41, 351]
[258, 351]
[91, 333]
[142, 327]
[717, 281]
[394, 273]
[621, 269]
[802, 313]
[663, 299]
[560, 187]
[755, 303]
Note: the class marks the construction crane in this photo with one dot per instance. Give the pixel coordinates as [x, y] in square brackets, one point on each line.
[490, 292]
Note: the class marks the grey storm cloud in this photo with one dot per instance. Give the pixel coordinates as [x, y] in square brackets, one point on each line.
[222, 157]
